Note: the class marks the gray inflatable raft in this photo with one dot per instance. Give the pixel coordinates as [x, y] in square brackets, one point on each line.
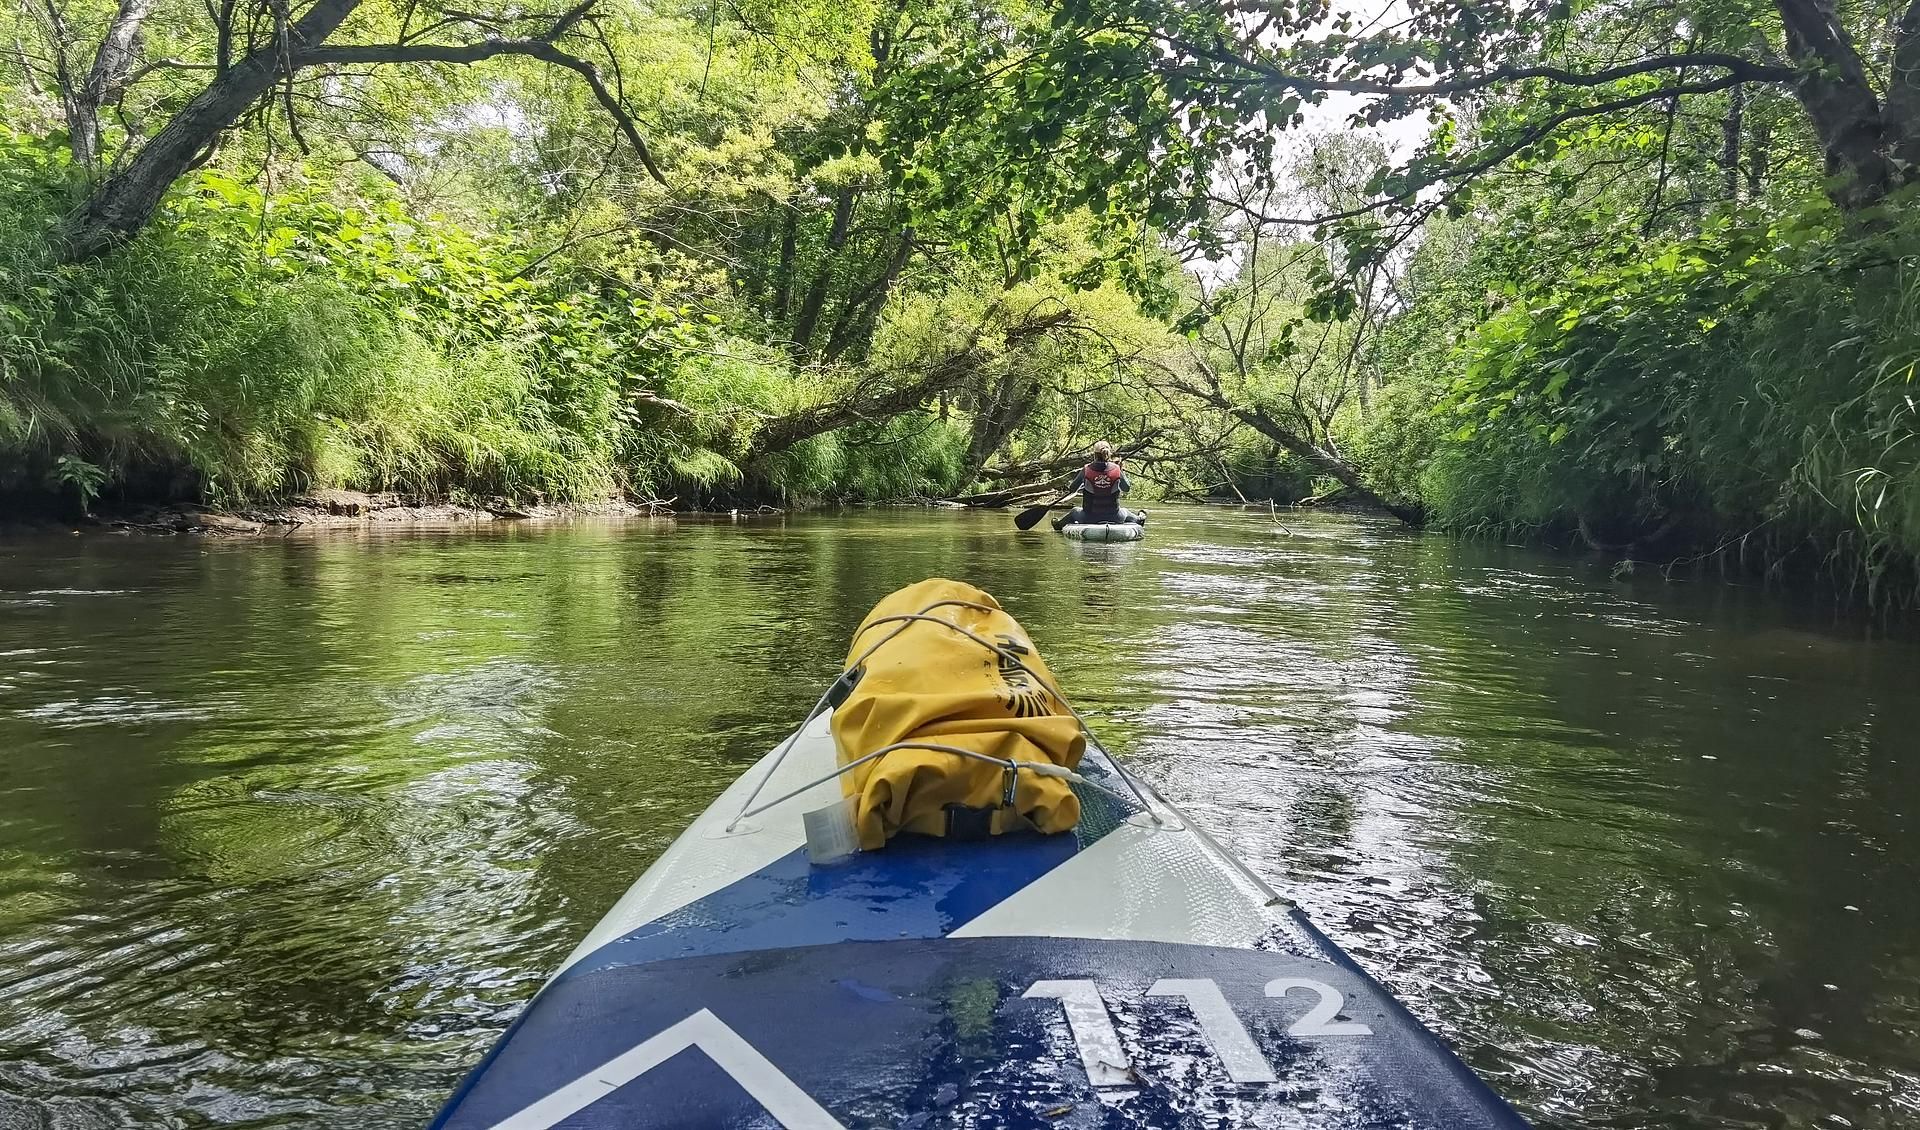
[1105, 531]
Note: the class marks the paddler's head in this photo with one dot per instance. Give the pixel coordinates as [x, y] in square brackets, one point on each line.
[1102, 452]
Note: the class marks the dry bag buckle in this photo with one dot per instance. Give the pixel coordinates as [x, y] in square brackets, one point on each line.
[967, 823]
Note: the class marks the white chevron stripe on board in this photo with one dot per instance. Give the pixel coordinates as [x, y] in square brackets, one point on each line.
[1137, 883]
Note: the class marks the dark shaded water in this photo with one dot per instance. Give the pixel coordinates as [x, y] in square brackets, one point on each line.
[290, 829]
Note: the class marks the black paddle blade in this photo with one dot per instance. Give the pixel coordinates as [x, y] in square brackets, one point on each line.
[1030, 517]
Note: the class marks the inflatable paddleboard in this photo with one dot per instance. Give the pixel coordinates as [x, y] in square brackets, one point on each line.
[1129, 973]
[1105, 531]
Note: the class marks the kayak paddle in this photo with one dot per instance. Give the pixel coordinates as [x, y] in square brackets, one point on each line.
[1030, 517]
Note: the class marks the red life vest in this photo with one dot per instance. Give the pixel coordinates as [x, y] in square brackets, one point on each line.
[1102, 480]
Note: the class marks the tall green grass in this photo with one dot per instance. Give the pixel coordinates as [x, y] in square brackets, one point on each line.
[1747, 396]
[913, 456]
[227, 356]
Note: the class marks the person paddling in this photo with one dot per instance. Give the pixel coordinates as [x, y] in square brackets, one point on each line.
[1101, 483]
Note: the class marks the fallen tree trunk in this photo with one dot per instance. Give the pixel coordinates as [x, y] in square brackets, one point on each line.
[1128, 451]
[997, 499]
[1028, 468]
[1320, 460]
[1141, 449]
[871, 399]
[1338, 469]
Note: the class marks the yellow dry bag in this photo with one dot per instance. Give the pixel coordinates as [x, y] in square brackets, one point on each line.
[933, 683]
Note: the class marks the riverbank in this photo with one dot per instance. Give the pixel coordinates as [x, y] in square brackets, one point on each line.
[329, 508]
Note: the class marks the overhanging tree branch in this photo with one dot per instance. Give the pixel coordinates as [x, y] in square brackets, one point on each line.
[1263, 73]
[1491, 157]
[146, 69]
[122, 203]
[541, 48]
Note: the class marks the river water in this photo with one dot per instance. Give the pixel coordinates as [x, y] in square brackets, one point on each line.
[290, 828]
